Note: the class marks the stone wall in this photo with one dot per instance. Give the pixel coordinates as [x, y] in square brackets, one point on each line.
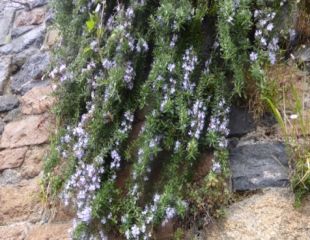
[25, 124]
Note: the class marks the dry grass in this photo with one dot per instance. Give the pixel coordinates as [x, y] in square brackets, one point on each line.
[293, 88]
[303, 21]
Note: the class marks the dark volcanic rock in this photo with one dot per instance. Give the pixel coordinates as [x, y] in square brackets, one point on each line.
[268, 120]
[260, 165]
[30, 74]
[8, 102]
[241, 122]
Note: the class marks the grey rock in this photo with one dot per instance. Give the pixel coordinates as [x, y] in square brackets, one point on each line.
[2, 125]
[5, 64]
[260, 165]
[49, 18]
[12, 115]
[302, 55]
[24, 4]
[37, 3]
[18, 31]
[6, 19]
[34, 37]
[19, 59]
[241, 122]
[9, 176]
[8, 102]
[268, 120]
[30, 74]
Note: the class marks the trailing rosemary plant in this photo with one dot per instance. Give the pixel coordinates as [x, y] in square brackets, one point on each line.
[144, 90]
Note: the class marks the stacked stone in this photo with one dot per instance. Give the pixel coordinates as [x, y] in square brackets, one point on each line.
[25, 99]
[258, 158]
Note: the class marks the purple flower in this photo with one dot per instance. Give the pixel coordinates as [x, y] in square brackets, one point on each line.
[171, 67]
[197, 114]
[85, 215]
[272, 57]
[216, 167]
[253, 56]
[269, 27]
[129, 75]
[107, 64]
[190, 61]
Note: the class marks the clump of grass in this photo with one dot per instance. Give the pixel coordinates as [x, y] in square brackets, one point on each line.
[294, 119]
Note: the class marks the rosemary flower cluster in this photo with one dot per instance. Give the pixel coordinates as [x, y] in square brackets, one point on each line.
[265, 34]
[197, 115]
[82, 186]
[219, 123]
[188, 66]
